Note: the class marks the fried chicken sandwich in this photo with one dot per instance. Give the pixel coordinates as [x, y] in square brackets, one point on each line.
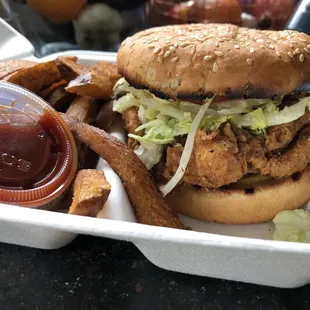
[220, 114]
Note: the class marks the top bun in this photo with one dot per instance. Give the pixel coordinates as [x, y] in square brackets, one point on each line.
[191, 62]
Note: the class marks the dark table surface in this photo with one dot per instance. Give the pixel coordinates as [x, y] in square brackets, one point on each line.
[97, 273]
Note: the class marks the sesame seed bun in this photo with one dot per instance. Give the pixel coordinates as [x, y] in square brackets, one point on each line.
[246, 203]
[189, 62]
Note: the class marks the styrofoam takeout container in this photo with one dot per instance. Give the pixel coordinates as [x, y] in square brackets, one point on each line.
[235, 252]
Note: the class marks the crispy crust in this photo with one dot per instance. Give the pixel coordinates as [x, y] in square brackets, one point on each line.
[36, 77]
[170, 61]
[10, 67]
[97, 83]
[242, 205]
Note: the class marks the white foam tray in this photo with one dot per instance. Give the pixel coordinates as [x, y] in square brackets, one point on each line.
[241, 253]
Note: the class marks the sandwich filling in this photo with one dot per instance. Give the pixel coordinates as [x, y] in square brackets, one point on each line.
[216, 143]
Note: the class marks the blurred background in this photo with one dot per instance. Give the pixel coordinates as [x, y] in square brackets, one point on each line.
[58, 25]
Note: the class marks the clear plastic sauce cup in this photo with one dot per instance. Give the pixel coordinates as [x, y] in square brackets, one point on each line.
[38, 157]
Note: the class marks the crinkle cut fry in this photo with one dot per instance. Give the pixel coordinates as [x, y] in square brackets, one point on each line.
[147, 201]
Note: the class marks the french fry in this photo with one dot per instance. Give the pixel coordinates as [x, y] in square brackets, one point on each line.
[69, 68]
[146, 199]
[12, 66]
[36, 77]
[108, 69]
[60, 99]
[90, 192]
[97, 83]
[48, 90]
[90, 84]
[84, 109]
[106, 116]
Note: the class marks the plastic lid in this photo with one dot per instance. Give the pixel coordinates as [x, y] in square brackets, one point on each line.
[38, 158]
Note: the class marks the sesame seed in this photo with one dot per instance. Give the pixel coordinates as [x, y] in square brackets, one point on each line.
[176, 45]
[288, 37]
[160, 60]
[217, 44]
[151, 46]
[132, 44]
[260, 41]
[308, 45]
[262, 46]
[207, 57]
[290, 54]
[301, 57]
[175, 59]
[167, 54]
[215, 67]
[168, 42]
[184, 44]
[306, 50]
[252, 50]
[302, 40]
[271, 46]
[172, 48]
[249, 61]
[192, 46]
[297, 51]
[218, 53]
[157, 50]
[278, 53]
[237, 46]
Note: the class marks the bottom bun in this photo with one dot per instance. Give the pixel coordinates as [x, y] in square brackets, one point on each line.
[256, 204]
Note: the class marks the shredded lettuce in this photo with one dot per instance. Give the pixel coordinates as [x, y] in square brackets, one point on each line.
[163, 130]
[212, 122]
[164, 120]
[240, 104]
[254, 121]
[124, 103]
[292, 226]
[288, 114]
[149, 153]
[270, 115]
